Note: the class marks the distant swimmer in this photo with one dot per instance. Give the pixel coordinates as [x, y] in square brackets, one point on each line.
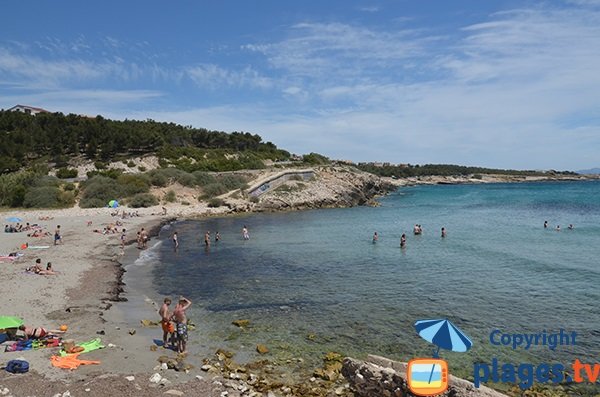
[545, 224]
[375, 237]
[443, 232]
[403, 241]
[417, 229]
[175, 240]
[571, 227]
[217, 236]
[207, 239]
[558, 228]
[245, 234]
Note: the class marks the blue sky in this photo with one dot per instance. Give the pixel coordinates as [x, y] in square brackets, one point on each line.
[510, 84]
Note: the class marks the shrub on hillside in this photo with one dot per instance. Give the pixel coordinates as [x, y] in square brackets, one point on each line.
[64, 173]
[42, 197]
[203, 178]
[215, 203]
[315, 159]
[99, 165]
[45, 180]
[170, 196]
[213, 190]
[232, 182]
[98, 191]
[143, 200]
[131, 184]
[166, 176]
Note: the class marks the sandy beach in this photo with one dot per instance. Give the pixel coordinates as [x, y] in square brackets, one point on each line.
[79, 296]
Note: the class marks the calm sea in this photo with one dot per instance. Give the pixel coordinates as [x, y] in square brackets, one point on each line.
[313, 281]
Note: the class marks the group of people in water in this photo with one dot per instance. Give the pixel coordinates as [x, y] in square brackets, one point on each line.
[208, 237]
[570, 227]
[417, 230]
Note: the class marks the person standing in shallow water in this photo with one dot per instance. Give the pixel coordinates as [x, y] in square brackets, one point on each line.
[207, 239]
[245, 233]
[403, 240]
[443, 232]
[175, 241]
[545, 224]
[375, 237]
[217, 237]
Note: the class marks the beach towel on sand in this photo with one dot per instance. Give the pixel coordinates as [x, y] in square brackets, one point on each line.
[32, 344]
[70, 361]
[88, 346]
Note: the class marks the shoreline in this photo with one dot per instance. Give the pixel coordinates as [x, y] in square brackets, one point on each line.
[92, 281]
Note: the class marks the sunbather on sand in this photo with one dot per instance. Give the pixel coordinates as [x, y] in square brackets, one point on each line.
[38, 333]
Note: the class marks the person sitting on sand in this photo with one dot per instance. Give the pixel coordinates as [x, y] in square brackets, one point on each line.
[37, 268]
[48, 271]
[165, 322]
[38, 333]
[181, 323]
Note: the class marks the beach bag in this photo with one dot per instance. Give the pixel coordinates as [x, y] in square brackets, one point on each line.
[17, 366]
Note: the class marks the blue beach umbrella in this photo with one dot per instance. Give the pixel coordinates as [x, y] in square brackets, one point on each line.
[14, 219]
[443, 334]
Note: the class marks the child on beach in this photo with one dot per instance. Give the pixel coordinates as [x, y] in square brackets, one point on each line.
[181, 320]
[57, 236]
[165, 321]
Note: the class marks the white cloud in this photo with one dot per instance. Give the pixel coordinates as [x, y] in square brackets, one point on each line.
[214, 76]
[326, 50]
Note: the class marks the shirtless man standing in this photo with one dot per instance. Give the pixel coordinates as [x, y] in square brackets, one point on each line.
[181, 321]
[165, 321]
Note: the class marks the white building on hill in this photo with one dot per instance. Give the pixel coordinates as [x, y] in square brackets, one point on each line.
[27, 109]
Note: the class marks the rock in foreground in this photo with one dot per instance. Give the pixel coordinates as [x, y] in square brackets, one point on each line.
[379, 376]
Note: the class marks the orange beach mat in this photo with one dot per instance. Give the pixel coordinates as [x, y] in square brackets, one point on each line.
[70, 362]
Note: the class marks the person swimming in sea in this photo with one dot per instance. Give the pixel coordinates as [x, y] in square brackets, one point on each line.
[545, 224]
[375, 237]
[571, 227]
[217, 236]
[443, 232]
[558, 228]
[403, 240]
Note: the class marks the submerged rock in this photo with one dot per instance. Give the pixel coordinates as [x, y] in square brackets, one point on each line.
[262, 349]
[241, 323]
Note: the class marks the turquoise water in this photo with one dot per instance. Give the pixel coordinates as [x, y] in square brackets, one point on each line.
[313, 281]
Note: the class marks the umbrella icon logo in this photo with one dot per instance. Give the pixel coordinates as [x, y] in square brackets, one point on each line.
[429, 376]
